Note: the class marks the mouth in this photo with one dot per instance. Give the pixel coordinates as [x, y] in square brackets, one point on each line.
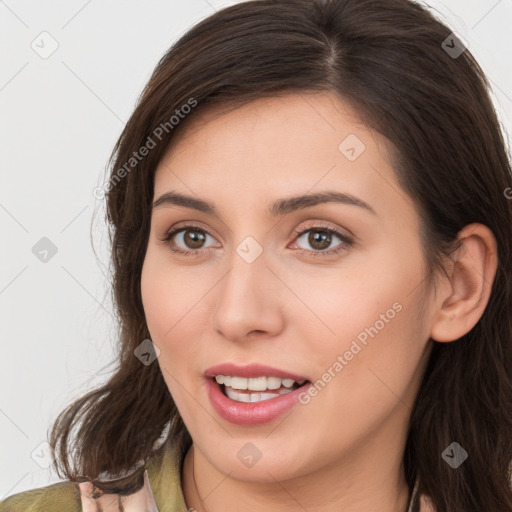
[254, 394]
[256, 389]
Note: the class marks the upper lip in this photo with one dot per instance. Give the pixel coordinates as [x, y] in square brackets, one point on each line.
[252, 370]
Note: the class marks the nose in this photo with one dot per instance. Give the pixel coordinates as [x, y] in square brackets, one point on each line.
[249, 299]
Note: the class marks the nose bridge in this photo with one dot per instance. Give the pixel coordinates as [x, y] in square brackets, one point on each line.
[248, 274]
[247, 297]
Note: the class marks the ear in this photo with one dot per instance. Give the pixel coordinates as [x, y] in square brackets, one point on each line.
[465, 294]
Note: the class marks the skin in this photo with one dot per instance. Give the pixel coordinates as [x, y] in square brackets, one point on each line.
[294, 311]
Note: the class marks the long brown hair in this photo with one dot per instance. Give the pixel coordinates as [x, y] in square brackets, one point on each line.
[395, 64]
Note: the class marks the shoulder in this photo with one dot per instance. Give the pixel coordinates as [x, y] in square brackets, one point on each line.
[161, 492]
[64, 496]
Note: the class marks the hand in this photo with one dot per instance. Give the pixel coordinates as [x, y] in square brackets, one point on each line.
[141, 501]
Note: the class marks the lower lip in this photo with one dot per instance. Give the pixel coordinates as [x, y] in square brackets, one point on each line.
[254, 413]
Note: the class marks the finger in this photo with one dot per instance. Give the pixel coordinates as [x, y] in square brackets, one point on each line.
[105, 503]
[141, 501]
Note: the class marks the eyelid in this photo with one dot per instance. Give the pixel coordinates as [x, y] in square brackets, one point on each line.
[319, 224]
[347, 241]
[188, 224]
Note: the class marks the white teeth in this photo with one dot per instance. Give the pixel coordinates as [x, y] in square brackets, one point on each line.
[267, 396]
[288, 383]
[256, 383]
[239, 383]
[273, 382]
[241, 397]
[253, 397]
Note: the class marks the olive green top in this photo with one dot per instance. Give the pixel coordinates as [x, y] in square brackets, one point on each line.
[162, 492]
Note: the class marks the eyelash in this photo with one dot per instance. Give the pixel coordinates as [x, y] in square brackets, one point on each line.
[343, 247]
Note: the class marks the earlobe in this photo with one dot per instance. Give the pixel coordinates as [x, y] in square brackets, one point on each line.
[469, 287]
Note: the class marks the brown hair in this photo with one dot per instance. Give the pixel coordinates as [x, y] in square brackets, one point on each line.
[387, 59]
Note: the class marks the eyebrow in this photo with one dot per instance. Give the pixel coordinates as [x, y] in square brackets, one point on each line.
[277, 208]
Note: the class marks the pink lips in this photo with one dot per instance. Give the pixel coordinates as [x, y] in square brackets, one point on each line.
[255, 413]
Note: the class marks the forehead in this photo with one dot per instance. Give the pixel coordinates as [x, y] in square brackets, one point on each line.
[279, 146]
[296, 114]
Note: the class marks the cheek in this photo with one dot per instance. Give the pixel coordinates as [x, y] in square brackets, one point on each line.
[367, 313]
[346, 299]
[175, 304]
[166, 300]
[375, 379]
[171, 297]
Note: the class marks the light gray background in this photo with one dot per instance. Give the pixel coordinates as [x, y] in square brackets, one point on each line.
[60, 117]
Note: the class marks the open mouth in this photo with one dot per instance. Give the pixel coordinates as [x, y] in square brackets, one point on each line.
[256, 390]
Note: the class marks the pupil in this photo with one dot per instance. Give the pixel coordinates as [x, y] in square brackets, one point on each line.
[318, 236]
[195, 239]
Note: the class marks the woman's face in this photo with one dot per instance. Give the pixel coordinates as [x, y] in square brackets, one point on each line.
[345, 311]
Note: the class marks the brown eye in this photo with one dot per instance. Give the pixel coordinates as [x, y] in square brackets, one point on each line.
[187, 240]
[194, 240]
[320, 239]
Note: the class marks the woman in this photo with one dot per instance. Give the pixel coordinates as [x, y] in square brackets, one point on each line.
[311, 241]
